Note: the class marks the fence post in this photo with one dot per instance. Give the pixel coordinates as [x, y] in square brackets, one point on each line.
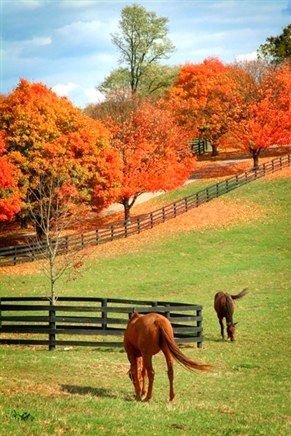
[152, 221]
[197, 199]
[164, 216]
[97, 236]
[104, 313]
[168, 312]
[67, 243]
[175, 209]
[138, 225]
[33, 251]
[82, 240]
[207, 194]
[199, 324]
[52, 327]
[112, 232]
[154, 304]
[15, 255]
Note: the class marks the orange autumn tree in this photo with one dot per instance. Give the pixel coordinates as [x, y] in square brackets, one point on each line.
[47, 135]
[153, 152]
[10, 196]
[267, 120]
[206, 98]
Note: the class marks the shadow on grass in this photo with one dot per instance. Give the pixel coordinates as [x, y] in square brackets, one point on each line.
[88, 390]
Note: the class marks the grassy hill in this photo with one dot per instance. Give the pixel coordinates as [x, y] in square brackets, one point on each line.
[87, 392]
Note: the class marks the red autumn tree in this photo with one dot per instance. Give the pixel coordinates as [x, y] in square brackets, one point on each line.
[267, 120]
[153, 151]
[208, 97]
[46, 134]
[10, 198]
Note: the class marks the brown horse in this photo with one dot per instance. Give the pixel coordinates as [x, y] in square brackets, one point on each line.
[144, 337]
[224, 306]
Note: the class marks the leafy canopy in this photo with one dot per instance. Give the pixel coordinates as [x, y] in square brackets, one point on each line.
[206, 98]
[46, 135]
[276, 49]
[153, 152]
[142, 41]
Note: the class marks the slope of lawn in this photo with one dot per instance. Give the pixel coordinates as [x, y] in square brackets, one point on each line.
[81, 391]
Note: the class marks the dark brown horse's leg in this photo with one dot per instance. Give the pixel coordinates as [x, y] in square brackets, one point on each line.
[221, 328]
[147, 361]
[169, 361]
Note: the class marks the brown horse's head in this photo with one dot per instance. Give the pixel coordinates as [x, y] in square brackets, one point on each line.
[231, 330]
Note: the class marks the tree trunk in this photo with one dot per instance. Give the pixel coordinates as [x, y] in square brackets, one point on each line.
[126, 211]
[214, 149]
[39, 231]
[24, 221]
[255, 155]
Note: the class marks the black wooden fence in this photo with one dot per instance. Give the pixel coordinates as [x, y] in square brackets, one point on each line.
[198, 146]
[35, 321]
[28, 252]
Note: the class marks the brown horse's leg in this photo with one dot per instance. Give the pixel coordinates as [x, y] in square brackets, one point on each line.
[169, 361]
[134, 371]
[147, 361]
[221, 328]
[143, 386]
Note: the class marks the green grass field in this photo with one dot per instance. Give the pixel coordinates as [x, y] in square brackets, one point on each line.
[79, 391]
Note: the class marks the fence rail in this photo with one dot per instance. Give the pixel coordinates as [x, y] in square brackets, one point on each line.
[35, 321]
[29, 252]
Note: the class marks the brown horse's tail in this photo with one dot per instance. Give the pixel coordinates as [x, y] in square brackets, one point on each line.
[177, 353]
[240, 294]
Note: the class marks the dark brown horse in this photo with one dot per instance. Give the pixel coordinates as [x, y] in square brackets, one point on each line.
[144, 337]
[224, 306]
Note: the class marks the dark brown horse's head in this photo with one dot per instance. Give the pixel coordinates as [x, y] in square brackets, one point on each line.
[231, 330]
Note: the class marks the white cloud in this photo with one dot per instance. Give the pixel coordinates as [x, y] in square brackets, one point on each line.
[40, 41]
[14, 48]
[31, 4]
[80, 95]
[88, 31]
[64, 89]
[93, 95]
[247, 57]
[78, 3]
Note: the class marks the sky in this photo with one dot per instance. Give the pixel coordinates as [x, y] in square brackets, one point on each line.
[67, 44]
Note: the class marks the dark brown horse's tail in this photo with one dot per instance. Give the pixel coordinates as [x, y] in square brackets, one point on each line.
[178, 355]
[240, 294]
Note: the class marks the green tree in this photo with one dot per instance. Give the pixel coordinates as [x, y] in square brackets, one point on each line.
[153, 83]
[142, 42]
[276, 49]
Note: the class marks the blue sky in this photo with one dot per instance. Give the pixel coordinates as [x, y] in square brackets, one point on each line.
[66, 44]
